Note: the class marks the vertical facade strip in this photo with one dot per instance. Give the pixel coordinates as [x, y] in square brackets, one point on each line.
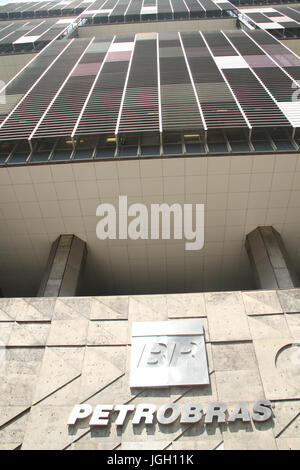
[192, 82]
[58, 93]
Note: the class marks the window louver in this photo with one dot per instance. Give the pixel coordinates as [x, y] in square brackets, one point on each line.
[23, 121]
[61, 117]
[141, 110]
[178, 102]
[28, 36]
[149, 83]
[217, 102]
[101, 113]
[165, 11]
[280, 54]
[23, 82]
[258, 106]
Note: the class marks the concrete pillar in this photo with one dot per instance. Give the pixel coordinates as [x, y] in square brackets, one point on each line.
[269, 260]
[64, 266]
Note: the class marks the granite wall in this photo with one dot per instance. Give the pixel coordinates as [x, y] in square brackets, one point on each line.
[59, 352]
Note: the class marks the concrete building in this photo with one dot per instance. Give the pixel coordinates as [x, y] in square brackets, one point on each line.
[137, 103]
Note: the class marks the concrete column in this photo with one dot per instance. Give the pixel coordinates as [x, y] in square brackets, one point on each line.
[64, 266]
[269, 260]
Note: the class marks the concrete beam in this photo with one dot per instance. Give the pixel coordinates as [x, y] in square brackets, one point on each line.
[270, 263]
[64, 267]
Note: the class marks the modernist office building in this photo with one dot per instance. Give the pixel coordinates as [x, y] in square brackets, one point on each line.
[176, 102]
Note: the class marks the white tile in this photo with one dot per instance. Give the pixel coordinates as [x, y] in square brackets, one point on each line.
[195, 184]
[173, 166]
[84, 171]
[29, 209]
[218, 165]
[137, 251]
[239, 183]
[4, 176]
[128, 169]
[296, 182]
[11, 210]
[192, 198]
[40, 174]
[55, 225]
[241, 164]
[119, 252]
[7, 194]
[215, 218]
[213, 249]
[19, 175]
[87, 189]
[130, 187]
[73, 225]
[108, 188]
[152, 186]
[263, 163]
[106, 170]
[174, 185]
[217, 183]
[196, 165]
[294, 199]
[256, 216]
[214, 233]
[285, 163]
[258, 200]
[233, 248]
[275, 216]
[35, 226]
[282, 181]
[62, 172]
[279, 199]
[216, 201]
[66, 190]
[70, 208]
[89, 206]
[25, 192]
[45, 192]
[237, 201]
[151, 168]
[50, 208]
[261, 182]
[292, 215]
[156, 250]
[236, 217]
[235, 232]
[22, 241]
[90, 223]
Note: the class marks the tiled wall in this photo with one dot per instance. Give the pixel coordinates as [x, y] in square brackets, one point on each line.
[59, 352]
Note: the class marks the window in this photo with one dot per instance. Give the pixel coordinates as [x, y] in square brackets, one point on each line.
[150, 145]
[20, 154]
[106, 147]
[85, 147]
[42, 152]
[194, 143]
[63, 150]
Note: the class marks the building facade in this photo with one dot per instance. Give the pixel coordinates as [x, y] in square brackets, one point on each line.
[190, 108]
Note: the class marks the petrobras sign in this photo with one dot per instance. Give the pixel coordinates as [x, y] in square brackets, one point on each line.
[168, 353]
[188, 413]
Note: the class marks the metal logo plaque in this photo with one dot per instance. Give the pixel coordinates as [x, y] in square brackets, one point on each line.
[167, 353]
